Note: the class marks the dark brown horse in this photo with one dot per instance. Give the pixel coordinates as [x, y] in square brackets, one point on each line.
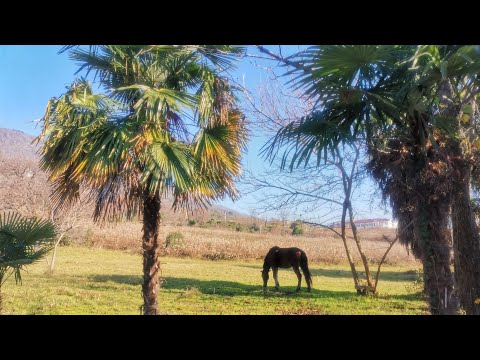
[286, 258]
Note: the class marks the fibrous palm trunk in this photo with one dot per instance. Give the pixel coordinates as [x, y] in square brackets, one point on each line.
[1, 299]
[434, 235]
[420, 196]
[466, 246]
[466, 241]
[151, 247]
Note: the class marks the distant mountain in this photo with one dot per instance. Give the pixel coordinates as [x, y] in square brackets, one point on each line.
[20, 157]
[17, 144]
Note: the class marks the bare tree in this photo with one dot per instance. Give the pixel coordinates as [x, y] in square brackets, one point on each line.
[284, 214]
[69, 219]
[25, 189]
[321, 192]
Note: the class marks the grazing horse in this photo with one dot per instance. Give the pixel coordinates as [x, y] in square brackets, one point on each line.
[286, 258]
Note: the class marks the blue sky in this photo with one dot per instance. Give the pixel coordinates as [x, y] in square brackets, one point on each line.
[31, 75]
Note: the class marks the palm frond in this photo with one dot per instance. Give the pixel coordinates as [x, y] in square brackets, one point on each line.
[169, 163]
[222, 56]
[318, 133]
[134, 139]
[23, 241]
[220, 145]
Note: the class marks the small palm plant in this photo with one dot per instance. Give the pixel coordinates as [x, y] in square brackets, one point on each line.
[23, 241]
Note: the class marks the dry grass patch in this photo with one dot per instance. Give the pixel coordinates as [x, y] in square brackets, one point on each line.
[221, 244]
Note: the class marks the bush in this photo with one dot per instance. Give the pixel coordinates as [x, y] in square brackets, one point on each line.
[173, 239]
[297, 228]
[89, 238]
[417, 284]
[191, 222]
[240, 228]
[254, 227]
[66, 241]
[219, 255]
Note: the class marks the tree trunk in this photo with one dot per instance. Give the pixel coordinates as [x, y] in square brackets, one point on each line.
[1, 299]
[392, 242]
[434, 236]
[422, 198]
[54, 255]
[347, 251]
[368, 275]
[466, 246]
[347, 206]
[151, 248]
[466, 242]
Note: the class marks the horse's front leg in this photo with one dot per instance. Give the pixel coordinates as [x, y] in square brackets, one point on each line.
[265, 272]
[275, 276]
[299, 277]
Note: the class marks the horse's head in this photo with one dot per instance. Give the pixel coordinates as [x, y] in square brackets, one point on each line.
[265, 272]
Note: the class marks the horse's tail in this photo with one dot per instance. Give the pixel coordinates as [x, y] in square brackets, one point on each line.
[305, 269]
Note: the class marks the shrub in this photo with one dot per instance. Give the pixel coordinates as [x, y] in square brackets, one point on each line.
[219, 255]
[66, 241]
[240, 227]
[417, 284]
[269, 227]
[173, 239]
[254, 228]
[89, 239]
[190, 291]
[191, 222]
[297, 228]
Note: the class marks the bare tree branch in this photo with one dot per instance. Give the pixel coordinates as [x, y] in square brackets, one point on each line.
[280, 58]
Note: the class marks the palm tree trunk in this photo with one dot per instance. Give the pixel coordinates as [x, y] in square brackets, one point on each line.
[1, 299]
[434, 236]
[151, 264]
[466, 246]
[417, 200]
[466, 241]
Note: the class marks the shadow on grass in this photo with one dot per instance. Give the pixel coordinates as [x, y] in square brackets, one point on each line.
[417, 296]
[333, 273]
[230, 288]
[222, 288]
[120, 279]
[384, 275]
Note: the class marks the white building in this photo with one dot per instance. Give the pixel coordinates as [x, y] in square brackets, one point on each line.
[370, 223]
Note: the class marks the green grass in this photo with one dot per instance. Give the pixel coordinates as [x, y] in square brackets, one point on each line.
[95, 281]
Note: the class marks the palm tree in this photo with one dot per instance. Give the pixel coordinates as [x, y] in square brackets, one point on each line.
[23, 241]
[448, 77]
[392, 97]
[132, 146]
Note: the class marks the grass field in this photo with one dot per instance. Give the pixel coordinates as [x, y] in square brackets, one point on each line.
[98, 281]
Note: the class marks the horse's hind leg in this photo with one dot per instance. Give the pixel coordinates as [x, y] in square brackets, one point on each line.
[299, 277]
[275, 276]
